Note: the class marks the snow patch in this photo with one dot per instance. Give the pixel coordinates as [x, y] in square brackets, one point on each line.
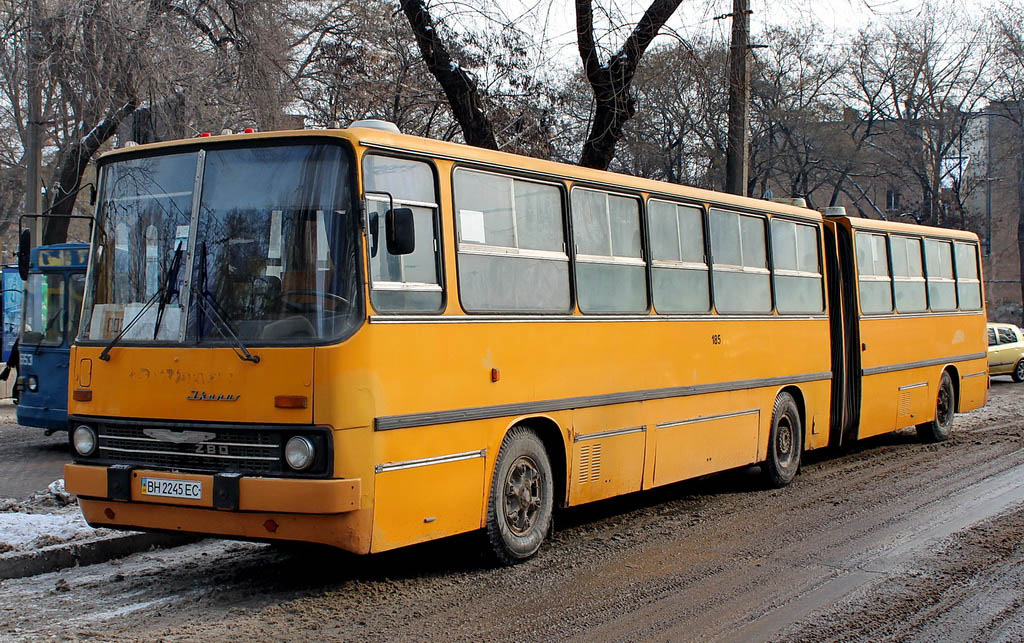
[19, 531]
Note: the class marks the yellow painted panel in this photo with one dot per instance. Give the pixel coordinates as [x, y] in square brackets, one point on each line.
[705, 446]
[422, 503]
[157, 383]
[973, 391]
[605, 467]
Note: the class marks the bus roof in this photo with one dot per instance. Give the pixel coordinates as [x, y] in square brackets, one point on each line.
[858, 223]
[381, 139]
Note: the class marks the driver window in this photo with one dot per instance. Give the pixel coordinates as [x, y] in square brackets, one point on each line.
[403, 283]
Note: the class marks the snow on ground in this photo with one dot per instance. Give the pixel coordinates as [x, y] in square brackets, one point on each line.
[46, 518]
[24, 531]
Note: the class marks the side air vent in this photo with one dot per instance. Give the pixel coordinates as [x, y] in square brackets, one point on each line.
[590, 463]
[904, 404]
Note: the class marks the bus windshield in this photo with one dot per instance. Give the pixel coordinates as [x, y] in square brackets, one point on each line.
[44, 310]
[270, 253]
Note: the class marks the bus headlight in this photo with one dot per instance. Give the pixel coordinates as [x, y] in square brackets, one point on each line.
[299, 453]
[84, 439]
[33, 383]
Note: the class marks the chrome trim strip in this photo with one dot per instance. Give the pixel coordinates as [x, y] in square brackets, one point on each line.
[609, 434]
[906, 366]
[503, 251]
[452, 416]
[543, 318]
[679, 265]
[227, 444]
[416, 204]
[940, 313]
[749, 270]
[611, 260]
[426, 462]
[405, 285]
[187, 454]
[912, 386]
[974, 375]
[708, 418]
[785, 272]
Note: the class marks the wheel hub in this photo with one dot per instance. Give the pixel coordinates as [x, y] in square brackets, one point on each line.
[522, 495]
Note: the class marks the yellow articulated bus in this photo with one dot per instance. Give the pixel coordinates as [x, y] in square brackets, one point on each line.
[366, 339]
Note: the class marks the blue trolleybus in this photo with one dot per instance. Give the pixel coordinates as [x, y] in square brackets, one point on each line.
[52, 307]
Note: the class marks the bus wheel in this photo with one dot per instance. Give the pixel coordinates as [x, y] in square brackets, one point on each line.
[784, 444]
[522, 497]
[1018, 371]
[941, 427]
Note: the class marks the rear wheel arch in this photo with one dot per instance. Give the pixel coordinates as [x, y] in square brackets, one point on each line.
[554, 440]
[801, 405]
[954, 375]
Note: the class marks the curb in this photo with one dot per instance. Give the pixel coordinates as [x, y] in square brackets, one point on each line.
[54, 557]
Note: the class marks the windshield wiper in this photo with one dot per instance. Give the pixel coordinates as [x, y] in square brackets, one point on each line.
[170, 288]
[206, 302]
[172, 273]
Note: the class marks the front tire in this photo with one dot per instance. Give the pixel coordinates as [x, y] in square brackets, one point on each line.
[1018, 371]
[785, 443]
[941, 427]
[522, 497]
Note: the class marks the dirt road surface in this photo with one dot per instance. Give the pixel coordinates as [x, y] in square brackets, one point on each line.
[893, 540]
[29, 460]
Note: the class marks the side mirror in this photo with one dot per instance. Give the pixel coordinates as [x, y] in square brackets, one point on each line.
[24, 251]
[92, 194]
[400, 231]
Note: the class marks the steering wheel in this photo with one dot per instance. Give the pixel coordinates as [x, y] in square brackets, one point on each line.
[305, 306]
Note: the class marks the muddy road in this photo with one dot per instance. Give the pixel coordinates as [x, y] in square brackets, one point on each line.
[891, 540]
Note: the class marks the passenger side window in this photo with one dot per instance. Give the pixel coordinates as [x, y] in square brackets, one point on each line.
[968, 285]
[403, 283]
[511, 244]
[992, 341]
[938, 256]
[873, 274]
[679, 267]
[611, 275]
[797, 267]
[908, 275]
[740, 275]
[1006, 336]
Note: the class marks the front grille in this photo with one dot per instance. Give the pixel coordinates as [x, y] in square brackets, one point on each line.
[228, 451]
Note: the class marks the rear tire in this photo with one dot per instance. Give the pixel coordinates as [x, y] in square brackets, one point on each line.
[522, 497]
[785, 443]
[941, 428]
[1018, 371]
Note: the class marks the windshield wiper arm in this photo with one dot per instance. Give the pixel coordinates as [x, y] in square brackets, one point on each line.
[169, 288]
[225, 329]
[207, 303]
[171, 271]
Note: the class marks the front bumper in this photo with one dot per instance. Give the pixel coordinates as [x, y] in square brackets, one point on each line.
[44, 418]
[220, 492]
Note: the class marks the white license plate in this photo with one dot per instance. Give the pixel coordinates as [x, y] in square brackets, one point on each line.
[190, 489]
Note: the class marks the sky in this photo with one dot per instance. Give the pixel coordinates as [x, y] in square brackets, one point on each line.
[838, 19]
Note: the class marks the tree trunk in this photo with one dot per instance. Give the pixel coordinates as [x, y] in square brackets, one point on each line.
[611, 82]
[68, 176]
[459, 87]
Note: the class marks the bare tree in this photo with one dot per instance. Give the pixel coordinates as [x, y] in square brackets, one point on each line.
[921, 83]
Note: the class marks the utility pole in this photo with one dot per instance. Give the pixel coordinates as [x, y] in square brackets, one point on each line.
[33, 139]
[736, 157]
